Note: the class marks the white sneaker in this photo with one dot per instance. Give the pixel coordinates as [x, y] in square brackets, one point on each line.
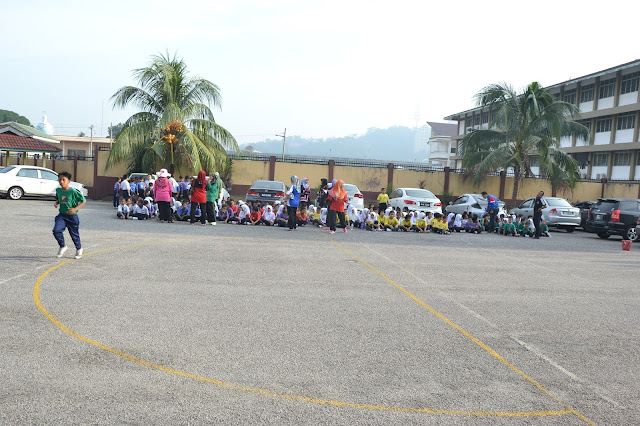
[213, 223]
[388, 230]
[78, 253]
[61, 251]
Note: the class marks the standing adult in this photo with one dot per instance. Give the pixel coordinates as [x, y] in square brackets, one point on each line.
[220, 184]
[492, 209]
[199, 197]
[383, 200]
[212, 198]
[116, 193]
[321, 200]
[125, 188]
[337, 196]
[539, 204]
[293, 200]
[305, 192]
[162, 191]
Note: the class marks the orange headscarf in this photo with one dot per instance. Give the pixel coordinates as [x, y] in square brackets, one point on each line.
[338, 192]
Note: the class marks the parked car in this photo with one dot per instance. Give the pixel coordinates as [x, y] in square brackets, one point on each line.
[18, 181]
[415, 199]
[267, 190]
[473, 204]
[584, 207]
[356, 199]
[142, 175]
[615, 216]
[559, 213]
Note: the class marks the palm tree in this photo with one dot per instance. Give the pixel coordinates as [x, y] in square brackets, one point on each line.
[523, 126]
[175, 125]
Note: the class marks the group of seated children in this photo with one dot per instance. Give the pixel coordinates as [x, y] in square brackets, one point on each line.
[519, 226]
[142, 209]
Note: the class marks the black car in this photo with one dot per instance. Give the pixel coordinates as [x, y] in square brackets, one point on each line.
[584, 207]
[267, 190]
[615, 216]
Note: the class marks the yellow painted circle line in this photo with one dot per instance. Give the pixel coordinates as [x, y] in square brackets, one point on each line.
[36, 298]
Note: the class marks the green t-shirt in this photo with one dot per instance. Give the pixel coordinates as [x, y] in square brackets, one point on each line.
[212, 192]
[68, 199]
[509, 227]
[544, 228]
[520, 227]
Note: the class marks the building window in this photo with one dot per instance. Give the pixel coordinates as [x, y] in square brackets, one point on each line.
[485, 118]
[626, 121]
[534, 161]
[607, 88]
[586, 92]
[453, 150]
[476, 120]
[622, 158]
[80, 153]
[603, 124]
[570, 96]
[601, 159]
[629, 83]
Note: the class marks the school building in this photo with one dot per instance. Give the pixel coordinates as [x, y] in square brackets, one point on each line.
[610, 104]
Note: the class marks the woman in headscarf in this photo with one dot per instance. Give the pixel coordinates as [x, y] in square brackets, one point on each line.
[220, 184]
[337, 197]
[293, 200]
[199, 197]
[162, 192]
[305, 192]
[213, 191]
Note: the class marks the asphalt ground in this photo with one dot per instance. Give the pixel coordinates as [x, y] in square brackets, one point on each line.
[178, 324]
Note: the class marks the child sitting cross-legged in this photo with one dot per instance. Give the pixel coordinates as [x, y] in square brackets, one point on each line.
[509, 228]
[282, 218]
[475, 227]
[391, 223]
[405, 223]
[372, 222]
[255, 216]
[301, 216]
[183, 212]
[544, 228]
[268, 218]
[421, 222]
[140, 211]
[123, 210]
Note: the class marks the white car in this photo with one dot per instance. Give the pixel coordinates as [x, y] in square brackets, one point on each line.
[559, 213]
[473, 204]
[415, 199]
[356, 199]
[18, 181]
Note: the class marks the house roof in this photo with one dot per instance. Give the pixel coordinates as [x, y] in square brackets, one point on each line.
[28, 131]
[9, 141]
[443, 129]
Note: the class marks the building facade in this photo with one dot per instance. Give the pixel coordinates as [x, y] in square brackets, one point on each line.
[442, 146]
[609, 101]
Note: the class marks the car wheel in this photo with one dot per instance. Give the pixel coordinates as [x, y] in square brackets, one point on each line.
[570, 229]
[15, 193]
[603, 235]
[631, 234]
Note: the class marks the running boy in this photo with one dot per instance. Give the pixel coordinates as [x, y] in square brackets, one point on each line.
[69, 200]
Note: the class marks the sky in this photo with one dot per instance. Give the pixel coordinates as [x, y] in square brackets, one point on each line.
[318, 69]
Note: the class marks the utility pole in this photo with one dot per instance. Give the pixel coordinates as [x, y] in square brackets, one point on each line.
[91, 141]
[111, 134]
[284, 140]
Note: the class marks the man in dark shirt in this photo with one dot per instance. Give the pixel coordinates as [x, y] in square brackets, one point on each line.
[492, 209]
[539, 204]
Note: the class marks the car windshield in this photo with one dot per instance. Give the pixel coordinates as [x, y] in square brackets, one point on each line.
[558, 202]
[267, 184]
[419, 193]
[350, 188]
[6, 169]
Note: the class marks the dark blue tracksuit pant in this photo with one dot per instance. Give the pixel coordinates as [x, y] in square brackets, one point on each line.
[70, 222]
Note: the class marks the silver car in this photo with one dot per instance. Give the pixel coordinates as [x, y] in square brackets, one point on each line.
[473, 204]
[559, 213]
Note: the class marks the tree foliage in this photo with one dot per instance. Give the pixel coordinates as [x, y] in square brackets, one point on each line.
[175, 125]
[6, 115]
[523, 125]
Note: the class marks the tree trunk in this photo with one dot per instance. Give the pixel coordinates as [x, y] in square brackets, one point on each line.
[516, 184]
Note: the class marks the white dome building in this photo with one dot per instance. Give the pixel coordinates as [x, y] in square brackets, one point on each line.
[44, 126]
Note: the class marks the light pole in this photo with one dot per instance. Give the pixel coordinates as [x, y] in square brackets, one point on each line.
[284, 140]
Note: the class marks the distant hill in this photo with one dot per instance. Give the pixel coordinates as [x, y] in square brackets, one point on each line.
[6, 115]
[394, 143]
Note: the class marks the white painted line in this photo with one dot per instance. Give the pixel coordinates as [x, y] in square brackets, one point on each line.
[12, 278]
[596, 389]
